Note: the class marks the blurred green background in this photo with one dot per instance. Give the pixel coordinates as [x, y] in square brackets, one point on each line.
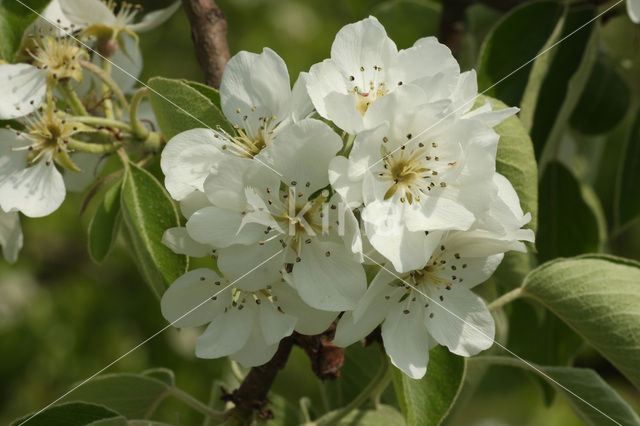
[62, 317]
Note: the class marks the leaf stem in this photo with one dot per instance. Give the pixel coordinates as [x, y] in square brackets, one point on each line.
[93, 148]
[104, 122]
[505, 298]
[72, 99]
[373, 390]
[195, 404]
[138, 128]
[108, 82]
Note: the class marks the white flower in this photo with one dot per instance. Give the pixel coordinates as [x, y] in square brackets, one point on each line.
[260, 105]
[252, 206]
[10, 235]
[434, 304]
[633, 8]
[248, 319]
[366, 65]
[420, 170]
[29, 180]
[23, 86]
[99, 18]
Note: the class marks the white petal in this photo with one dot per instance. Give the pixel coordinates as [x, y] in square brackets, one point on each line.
[220, 228]
[274, 324]
[309, 320]
[461, 320]
[363, 44]
[242, 261]
[258, 81]
[178, 240]
[51, 16]
[181, 177]
[91, 166]
[334, 282]
[256, 351]
[464, 96]
[437, 213]
[227, 333]
[188, 301]
[10, 235]
[633, 7]
[20, 85]
[84, 13]
[346, 179]
[324, 78]
[36, 191]
[302, 154]
[489, 117]
[406, 340]
[341, 109]
[154, 19]
[300, 106]
[193, 202]
[370, 311]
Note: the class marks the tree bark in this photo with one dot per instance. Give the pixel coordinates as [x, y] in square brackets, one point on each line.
[209, 34]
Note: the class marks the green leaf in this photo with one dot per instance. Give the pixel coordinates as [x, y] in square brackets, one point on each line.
[163, 374]
[599, 298]
[132, 395]
[603, 103]
[384, 415]
[104, 226]
[15, 18]
[69, 414]
[179, 106]
[565, 79]
[427, 401]
[583, 389]
[562, 233]
[148, 211]
[211, 93]
[628, 190]
[516, 161]
[531, 25]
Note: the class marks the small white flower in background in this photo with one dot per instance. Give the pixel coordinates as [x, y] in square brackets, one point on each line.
[633, 8]
[10, 235]
[421, 170]
[366, 65]
[23, 86]
[247, 320]
[260, 105]
[251, 208]
[29, 179]
[434, 304]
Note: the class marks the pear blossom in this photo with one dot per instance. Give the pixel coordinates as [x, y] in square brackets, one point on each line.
[420, 172]
[633, 8]
[365, 65]
[259, 105]
[434, 304]
[251, 205]
[248, 314]
[29, 179]
[23, 86]
[10, 235]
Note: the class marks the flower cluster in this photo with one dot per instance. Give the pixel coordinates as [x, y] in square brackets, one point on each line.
[402, 178]
[51, 70]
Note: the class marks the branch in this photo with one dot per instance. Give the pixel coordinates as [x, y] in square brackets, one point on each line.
[209, 34]
[452, 23]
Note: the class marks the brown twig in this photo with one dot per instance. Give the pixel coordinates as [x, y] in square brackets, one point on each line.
[452, 22]
[209, 34]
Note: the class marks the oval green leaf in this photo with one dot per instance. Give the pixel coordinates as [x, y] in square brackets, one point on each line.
[427, 401]
[590, 397]
[599, 298]
[178, 107]
[104, 226]
[15, 19]
[132, 395]
[69, 414]
[148, 211]
[628, 190]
